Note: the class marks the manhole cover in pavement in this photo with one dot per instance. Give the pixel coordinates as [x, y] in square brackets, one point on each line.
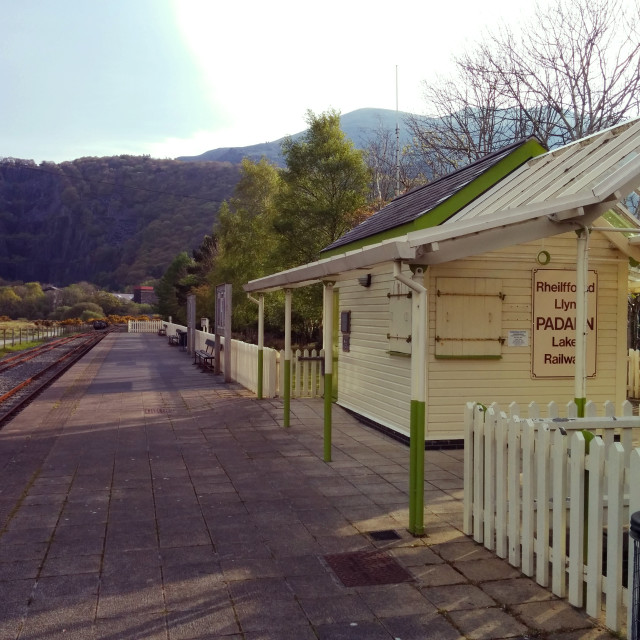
[385, 534]
[367, 568]
[159, 410]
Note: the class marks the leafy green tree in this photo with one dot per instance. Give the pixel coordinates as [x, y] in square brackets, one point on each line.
[110, 304]
[173, 288]
[33, 302]
[246, 237]
[323, 195]
[84, 310]
[9, 302]
[204, 259]
[324, 190]
[78, 292]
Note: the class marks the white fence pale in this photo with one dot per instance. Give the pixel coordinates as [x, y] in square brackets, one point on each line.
[307, 373]
[244, 367]
[144, 326]
[537, 494]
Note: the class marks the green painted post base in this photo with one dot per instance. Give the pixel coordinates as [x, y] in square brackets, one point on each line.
[580, 403]
[416, 468]
[287, 393]
[260, 372]
[328, 386]
[420, 428]
[413, 445]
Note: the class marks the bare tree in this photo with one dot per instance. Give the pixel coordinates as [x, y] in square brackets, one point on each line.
[572, 71]
[387, 167]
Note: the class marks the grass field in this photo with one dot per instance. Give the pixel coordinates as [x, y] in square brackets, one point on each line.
[16, 335]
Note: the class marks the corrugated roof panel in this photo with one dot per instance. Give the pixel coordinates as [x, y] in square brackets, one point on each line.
[573, 170]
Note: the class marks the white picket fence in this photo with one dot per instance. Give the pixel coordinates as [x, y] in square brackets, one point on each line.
[307, 380]
[535, 496]
[306, 370]
[144, 326]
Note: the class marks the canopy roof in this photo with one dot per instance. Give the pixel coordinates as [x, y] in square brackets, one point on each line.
[562, 190]
[422, 207]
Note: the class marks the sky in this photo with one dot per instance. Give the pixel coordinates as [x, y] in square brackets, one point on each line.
[179, 77]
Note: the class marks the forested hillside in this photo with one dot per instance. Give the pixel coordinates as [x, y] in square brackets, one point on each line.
[113, 221]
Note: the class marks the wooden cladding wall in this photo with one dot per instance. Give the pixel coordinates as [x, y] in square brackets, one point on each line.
[375, 382]
[509, 378]
[468, 318]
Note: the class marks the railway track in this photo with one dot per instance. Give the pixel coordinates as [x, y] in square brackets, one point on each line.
[27, 373]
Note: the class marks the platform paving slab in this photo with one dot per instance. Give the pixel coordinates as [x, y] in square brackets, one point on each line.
[142, 497]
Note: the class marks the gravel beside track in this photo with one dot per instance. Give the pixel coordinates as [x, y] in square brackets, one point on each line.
[35, 368]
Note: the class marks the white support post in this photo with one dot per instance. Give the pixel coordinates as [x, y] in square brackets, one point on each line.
[582, 269]
[260, 302]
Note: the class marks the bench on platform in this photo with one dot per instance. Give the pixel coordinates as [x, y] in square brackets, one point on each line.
[207, 355]
[163, 330]
[180, 338]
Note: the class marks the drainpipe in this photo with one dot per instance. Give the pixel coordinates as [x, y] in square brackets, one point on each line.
[287, 357]
[418, 395]
[327, 343]
[582, 270]
[260, 303]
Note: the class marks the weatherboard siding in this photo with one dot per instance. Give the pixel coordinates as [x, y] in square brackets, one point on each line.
[377, 384]
[371, 381]
[452, 383]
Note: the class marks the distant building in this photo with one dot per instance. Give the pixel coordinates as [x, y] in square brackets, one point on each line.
[123, 296]
[144, 295]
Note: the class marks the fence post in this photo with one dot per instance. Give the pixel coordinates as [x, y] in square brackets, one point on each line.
[576, 520]
[633, 583]
[491, 418]
[514, 491]
[478, 469]
[542, 471]
[501, 486]
[597, 451]
[467, 518]
[614, 535]
[528, 496]
[559, 462]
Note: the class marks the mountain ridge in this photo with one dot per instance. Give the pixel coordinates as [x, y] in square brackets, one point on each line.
[358, 125]
[118, 221]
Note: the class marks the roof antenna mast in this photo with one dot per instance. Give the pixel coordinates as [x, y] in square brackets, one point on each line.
[397, 141]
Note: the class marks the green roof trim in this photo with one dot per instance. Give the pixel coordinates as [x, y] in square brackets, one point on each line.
[617, 221]
[449, 207]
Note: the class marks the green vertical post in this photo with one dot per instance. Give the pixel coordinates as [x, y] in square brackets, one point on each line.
[260, 371]
[327, 417]
[327, 343]
[287, 357]
[420, 416]
[260, 345]
[287, 392]
[418, 395]
[413, 453]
